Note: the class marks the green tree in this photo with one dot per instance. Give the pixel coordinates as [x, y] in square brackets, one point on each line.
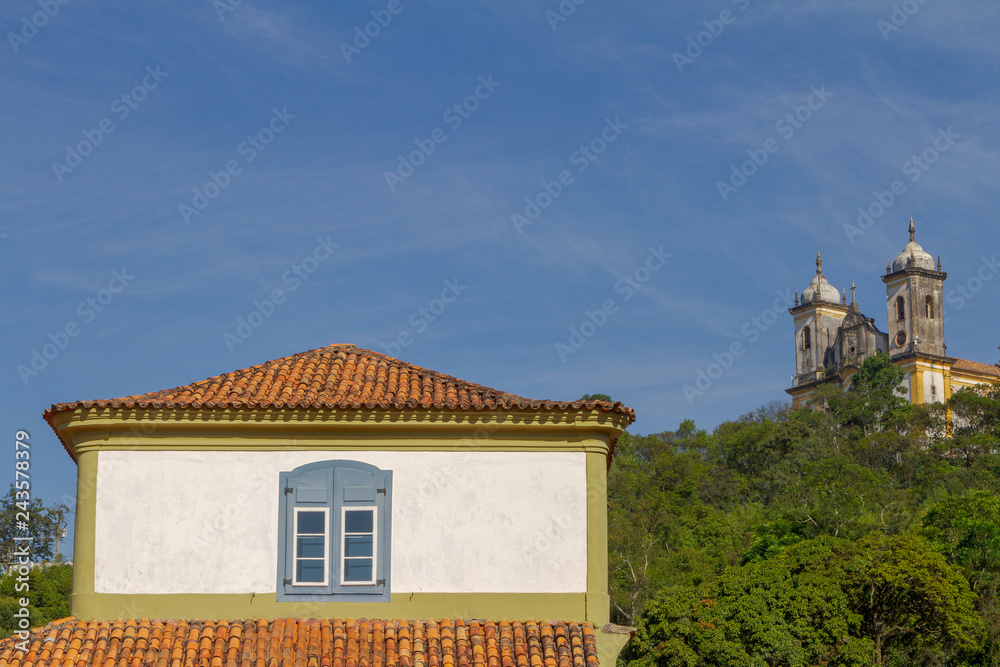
[676, 516]
[596, 397]
[907, 595]
[717, 521]
[966, 530]
[788, 610]
[44, 524]
[47, 588]
[875, 401]
[636, 513]
[681, 628]
[975, 415]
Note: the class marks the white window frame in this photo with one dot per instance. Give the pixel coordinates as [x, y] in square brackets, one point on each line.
[332, 486]
[326, 546]
[343, 544]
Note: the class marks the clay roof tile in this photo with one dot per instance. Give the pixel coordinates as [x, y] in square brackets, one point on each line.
[344, 377]
[976, 367]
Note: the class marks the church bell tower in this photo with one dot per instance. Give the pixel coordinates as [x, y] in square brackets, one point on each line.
[914, 290]
[817, 320]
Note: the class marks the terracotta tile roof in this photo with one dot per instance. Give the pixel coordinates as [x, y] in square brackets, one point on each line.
[307, 643]
[338, 377]
[976, 367]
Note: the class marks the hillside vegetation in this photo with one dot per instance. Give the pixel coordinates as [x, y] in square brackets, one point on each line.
[859, 533]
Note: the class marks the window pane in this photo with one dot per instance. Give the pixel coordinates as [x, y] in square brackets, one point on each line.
[358, 569]
[311, 522]
[358, 521]
[312, 547]
[357, 545]
[309, 571]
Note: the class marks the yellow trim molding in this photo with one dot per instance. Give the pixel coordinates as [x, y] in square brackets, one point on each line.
[86, 429]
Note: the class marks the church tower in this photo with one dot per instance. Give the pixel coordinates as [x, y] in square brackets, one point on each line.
[914, 290]
[833, 340]
[817, 318]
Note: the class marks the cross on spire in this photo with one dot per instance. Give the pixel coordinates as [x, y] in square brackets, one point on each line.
[852, 293]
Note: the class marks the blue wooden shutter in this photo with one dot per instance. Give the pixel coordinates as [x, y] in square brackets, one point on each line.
[361, 489]
[305, 490]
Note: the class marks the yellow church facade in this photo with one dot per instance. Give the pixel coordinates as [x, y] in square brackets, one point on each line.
[833, 338]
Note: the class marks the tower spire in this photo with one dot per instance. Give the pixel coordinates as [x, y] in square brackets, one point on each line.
[913, 233]
[819, 264]
[852, 293]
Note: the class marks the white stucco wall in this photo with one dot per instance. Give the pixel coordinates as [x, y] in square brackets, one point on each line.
[935, 379]
[462, 522]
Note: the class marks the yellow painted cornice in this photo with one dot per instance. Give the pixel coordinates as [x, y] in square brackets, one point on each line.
[85, 429]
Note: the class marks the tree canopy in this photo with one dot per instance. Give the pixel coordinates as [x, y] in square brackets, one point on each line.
[858, 533]
[43, 524]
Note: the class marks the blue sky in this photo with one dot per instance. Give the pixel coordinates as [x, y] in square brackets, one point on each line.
[178, 165]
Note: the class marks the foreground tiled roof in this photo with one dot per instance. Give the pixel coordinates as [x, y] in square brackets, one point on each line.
[338, 377]
[307, 643]
[976, 367]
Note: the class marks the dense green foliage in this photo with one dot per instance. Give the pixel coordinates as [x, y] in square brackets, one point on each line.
[47, 589]
[858, 533]
[46, 581]
[43, 525]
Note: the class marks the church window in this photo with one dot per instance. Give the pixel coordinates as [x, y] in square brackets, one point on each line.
[900, 309]
[806, 339]
[929, 307]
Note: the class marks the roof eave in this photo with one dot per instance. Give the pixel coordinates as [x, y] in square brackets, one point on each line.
[83, 428]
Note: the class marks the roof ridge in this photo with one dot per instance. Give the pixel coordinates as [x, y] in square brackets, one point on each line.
[338, 376]
[435, 373]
